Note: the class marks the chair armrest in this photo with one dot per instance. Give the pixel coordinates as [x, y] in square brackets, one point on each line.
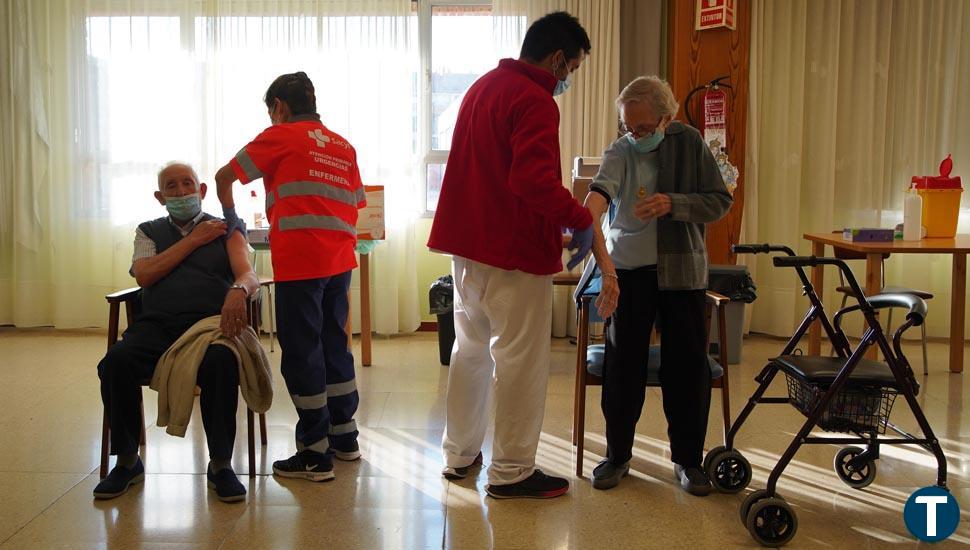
[122, 296]
[716, 299]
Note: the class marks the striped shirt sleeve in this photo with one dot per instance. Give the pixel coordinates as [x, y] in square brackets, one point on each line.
[144, 248]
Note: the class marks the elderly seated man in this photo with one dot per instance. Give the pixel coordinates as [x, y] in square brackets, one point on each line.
[188, 269]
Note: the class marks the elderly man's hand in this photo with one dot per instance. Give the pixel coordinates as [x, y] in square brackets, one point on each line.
[609, 295]
[655, 206]
[233, 313]
[208, 231]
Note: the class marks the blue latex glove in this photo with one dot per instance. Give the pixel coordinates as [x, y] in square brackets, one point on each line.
[582, 242]
[233, 222]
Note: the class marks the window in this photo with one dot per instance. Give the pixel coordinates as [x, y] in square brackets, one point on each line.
[457, 47]
[176, 84]
[189, 87]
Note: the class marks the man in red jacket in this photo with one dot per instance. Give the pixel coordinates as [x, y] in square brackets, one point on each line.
[500, 215]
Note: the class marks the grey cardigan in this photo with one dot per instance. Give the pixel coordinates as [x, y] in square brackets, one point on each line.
[688, 174]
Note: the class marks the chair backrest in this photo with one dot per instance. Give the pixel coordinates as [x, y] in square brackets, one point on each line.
[586, 167]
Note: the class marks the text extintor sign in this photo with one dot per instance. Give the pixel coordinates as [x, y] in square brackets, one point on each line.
[714, 14]
[370, 220]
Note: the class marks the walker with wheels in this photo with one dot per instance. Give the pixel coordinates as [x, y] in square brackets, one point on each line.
[846, 394]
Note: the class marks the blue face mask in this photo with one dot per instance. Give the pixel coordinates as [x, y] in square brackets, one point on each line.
[562, 85]
[184, 208]
[647, 143]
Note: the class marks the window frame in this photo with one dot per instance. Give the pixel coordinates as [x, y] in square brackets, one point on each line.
[428, 155]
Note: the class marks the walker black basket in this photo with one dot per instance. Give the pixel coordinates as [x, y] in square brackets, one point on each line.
[857, 409]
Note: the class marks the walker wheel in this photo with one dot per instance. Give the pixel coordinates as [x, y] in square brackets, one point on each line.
[855, 477]
[729, 471]
[711, 454]
[772, 522]
[749, 501]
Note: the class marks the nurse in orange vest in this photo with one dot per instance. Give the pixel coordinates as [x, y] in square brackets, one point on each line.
[313, 192]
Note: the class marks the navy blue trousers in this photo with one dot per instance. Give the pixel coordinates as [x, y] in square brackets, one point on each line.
[317, 365]
[130, 364]
[685, 374]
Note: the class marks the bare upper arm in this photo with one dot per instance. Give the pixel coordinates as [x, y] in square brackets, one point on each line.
[597, 205]
[238, 250]
[225, 175]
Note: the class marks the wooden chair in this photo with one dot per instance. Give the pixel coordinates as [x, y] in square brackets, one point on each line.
[266, 283]
[846, 291]
[131, 298]
[587, 291]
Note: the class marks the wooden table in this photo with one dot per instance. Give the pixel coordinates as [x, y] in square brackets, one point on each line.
[958, 247]
[365, 332]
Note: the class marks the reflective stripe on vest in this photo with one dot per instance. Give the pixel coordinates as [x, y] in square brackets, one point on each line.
[296, 188]
[248, 166]
[310, 221]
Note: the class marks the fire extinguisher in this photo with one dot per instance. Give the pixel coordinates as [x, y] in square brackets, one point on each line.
[714, 110]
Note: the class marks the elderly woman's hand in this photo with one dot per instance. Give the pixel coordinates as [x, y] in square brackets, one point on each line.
[655, 206]
[609, 295]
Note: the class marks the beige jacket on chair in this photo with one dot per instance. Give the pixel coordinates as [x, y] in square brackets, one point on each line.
[176, 371]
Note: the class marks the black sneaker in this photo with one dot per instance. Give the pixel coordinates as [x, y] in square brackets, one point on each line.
[227, 485]
[607, 475]
[119, 480]
[350, 454]
[538, 485]
[305, 464]
[461, 472]
[693, 480]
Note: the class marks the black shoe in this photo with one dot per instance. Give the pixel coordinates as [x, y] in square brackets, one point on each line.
[461, 472]
[226, 484]
[305, 464]
[119, 480]
[607, 475]
[693, 480]
[350, 454]
[538, 485]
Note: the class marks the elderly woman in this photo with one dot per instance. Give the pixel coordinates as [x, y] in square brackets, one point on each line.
[665, 185]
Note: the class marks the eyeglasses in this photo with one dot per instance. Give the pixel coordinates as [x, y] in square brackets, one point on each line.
[641, 129]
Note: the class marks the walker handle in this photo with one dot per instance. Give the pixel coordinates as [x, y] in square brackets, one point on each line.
[761, 249]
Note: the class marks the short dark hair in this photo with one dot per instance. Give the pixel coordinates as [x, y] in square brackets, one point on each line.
[296, 90]
[552, 32]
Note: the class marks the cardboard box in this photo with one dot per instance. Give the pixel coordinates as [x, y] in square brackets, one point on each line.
[868, 235]
[370, 220]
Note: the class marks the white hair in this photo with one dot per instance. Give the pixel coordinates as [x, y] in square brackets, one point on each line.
[173, 163]
[653, 91]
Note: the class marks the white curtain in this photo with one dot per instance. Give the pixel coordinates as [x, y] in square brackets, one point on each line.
[849, 100]
[588, 119]
[102, 92]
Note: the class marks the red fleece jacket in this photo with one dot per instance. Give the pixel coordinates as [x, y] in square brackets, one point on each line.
[502, 201]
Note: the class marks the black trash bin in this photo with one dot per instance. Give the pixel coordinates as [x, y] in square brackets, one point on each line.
[442, 300]
[735, 283]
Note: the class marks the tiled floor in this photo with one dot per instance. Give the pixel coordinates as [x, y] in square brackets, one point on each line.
[50, 419]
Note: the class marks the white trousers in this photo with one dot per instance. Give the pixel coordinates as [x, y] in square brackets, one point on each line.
[502, 348]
